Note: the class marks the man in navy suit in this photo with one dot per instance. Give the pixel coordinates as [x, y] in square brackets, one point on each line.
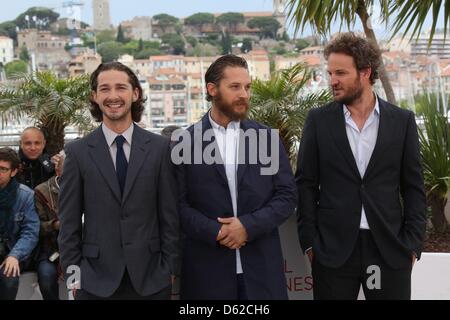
[231, 205]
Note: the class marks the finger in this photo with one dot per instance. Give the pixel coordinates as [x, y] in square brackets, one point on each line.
[225, 220]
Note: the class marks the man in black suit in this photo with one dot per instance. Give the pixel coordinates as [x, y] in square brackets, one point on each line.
[231, 207]
[361, 211]
[120, 177]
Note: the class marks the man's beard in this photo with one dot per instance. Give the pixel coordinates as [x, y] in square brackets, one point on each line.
[355, 93]
[228, 110]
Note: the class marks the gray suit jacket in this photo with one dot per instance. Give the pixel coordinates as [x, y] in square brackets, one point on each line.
[138, 231]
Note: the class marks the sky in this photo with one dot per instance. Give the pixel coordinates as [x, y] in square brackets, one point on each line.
[126, 10]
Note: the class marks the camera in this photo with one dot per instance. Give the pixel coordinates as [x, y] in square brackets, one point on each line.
[46, 163]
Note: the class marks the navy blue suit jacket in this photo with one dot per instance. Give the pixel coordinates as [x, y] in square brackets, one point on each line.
[264, 202]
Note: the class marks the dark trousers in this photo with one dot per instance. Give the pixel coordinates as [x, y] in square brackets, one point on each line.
[48, 280]
[8, 286]
[241, 289]
[365, 267]
[126, 291]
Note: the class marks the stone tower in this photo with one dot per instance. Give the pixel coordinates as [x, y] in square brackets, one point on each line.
[101, 16]
[279, 14]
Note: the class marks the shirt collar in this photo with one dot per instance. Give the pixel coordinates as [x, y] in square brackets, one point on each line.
[110, 135]
[215, 125]
[376, 110]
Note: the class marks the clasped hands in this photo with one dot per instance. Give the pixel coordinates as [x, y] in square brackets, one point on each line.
[232, 233]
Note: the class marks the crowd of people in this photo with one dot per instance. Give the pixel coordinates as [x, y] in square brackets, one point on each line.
[132, 210]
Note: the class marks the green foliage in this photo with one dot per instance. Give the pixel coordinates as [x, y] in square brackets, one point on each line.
[175, 41]
[230, 20]
[165, 20]
[120, 35]
[44, 18]
[434, 139]
[279, 103]
[15, 68]
[105, 36]
[246, 45]
[268, 26]
[110, 50]
[24, 55]
[53, 103]
[191, 40]
[146, 53]
[8, 29]
[301, 44]
[226, 43]
[199, 19]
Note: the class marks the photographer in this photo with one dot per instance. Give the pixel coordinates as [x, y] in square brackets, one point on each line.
[36, 166]
[19, 224]
[46, 197]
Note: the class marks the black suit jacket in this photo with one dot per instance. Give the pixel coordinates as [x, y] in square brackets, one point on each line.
[264, 202]
[138, 231]
[332, 192]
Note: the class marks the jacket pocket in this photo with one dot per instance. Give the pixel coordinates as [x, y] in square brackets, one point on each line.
[155, 245]
[90, 250]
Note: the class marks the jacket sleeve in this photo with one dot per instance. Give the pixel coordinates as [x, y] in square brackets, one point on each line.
[307, 179]
[412, 191]
[28, 232]
[280, 207]
[45, 219]
[169, 219]
[71, 207]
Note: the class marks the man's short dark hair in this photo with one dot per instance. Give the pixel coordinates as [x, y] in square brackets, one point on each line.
[215, 71]
[167, 131]
[365, 53]
[137, 107]
[9, 155]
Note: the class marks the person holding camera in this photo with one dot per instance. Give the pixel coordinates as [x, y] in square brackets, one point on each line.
[19, 224]
[46, 197]
[36, 166]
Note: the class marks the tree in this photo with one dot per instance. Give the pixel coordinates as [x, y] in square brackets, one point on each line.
[434, 140]
[192, 41]
[413, 14]
[226, 43]
[280, 104]
[140, 45]
[146, 53]
[15, 68]
[301, 44]
[53, 103]
[110, 51]
[199, 19]
[268, 26]
[230, 20]
[175, 41]
[165, 21]
[321, 15]
[120, 36]
[44, 18]
[105, 36]
[246, 45]
[24, 55]
[9, 29]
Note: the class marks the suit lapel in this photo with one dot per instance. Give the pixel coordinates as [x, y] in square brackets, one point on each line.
[140, 146]
[99, 152]
[336, 121]
[385, 132]
[243, 149]
[206, 125]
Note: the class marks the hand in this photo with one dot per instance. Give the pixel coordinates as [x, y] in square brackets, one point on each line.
[10, 267]
[58, 161]
[310, 254]
[232, 234]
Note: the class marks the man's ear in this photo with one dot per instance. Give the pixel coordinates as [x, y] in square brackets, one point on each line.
[212, 89]
[135, 94]
[13, 172]
[366, 72]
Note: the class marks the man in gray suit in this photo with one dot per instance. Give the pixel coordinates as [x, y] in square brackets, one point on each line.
[120, 177]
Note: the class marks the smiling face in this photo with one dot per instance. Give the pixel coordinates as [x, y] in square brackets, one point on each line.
[115, 95]
[32, 143]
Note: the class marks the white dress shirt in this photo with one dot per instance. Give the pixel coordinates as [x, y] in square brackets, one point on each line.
[110, 137]
[362, 144]
[228, 141]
